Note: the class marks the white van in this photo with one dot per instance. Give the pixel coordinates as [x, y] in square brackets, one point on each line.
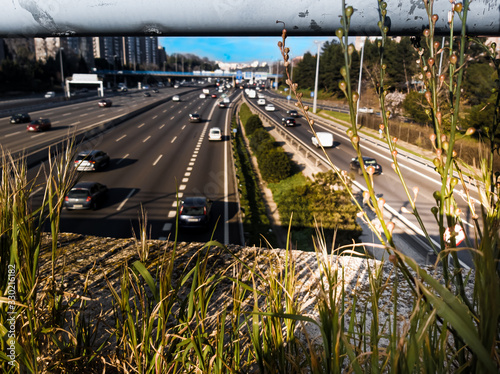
[206, 91]
[325, 138]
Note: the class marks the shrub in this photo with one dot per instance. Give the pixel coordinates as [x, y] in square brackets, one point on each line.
[258, 137]
[275, 166]
[252, 124]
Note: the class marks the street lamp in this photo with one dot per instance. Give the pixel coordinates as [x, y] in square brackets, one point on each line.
[363, 41]
[315, 98]
[62, 71]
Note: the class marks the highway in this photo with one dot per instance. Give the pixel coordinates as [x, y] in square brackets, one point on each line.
[387, 186]
[157, 157]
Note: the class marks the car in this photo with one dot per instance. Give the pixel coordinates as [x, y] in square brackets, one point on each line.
[176, 86]
[261, 102]
[203, 96]
[41, 124]
[86, 195]
[325, 138]
[214, 96]
[288, 122]
[93, 160]
[292, 113]
[222, 104]
[176, 98]
[194, 212]
[50, 94]
[194, 117]
[104, 103]
[260, 95]
[206, 91]
[270, 108]
[20, 118]
[215, 133]
[155, 90]
[368, 161]
[147, 94]
[365, 110]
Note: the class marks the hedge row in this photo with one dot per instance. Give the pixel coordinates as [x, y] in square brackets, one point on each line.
[274, 164]
[255, 220]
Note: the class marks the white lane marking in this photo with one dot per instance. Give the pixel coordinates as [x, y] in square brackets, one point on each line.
[183, 127]
[180, 111]
[189, 169]
[172, 214]
[185, 180]
[120, 138]
[34, 136]
[187, 174]
[142, 124]
[66, 114]
[182, 187]
[101, 115]
[126, 199]
[55, 122]
[145, 140]
[158, 159]
[167, 227]
[172, 117]
[84, 114]
[173, 140]
[37, 191]
[123, 158]
[74, 123]
[193, 159]
[191, 164]
[14, 133]
[155, 117]
[162, 126]
[165, 111]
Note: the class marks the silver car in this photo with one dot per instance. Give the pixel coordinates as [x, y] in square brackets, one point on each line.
[91, 160]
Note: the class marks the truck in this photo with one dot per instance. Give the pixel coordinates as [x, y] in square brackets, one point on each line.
[325, 138]
[252, 94]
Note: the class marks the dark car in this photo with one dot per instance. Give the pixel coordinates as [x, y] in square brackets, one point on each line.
[288, 122]
[194, 117]
[292, 113]
[86, 195]
[155, 90]
[222, 104]
[368, 161]
[41, 124]
[20, 118]
[195, 212]
[91, 160]
[104, 103]
[147, 94]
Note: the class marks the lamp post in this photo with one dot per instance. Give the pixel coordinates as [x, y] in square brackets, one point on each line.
[360, 77]
[114, 71]
[62, 71]
[315, 98]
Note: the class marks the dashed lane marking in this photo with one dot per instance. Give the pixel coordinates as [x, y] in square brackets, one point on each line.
[173, 140]
[158, 159]
[123, 158]
[126, 199]
[121, 137]
[145, 140]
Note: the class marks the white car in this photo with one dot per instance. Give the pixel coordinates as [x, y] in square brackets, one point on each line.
[176, 98]
[270, 108]
[203, 96]
[50, 94]
[261, 102]
[215, 133]
[365, 110]
[325, 138]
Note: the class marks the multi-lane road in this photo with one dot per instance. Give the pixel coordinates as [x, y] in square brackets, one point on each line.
[416, 172]
[157, 158]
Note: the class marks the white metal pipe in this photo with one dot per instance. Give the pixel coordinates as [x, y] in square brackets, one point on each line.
[29, 18]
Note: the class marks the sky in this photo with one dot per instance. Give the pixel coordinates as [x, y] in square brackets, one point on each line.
[239, 49]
